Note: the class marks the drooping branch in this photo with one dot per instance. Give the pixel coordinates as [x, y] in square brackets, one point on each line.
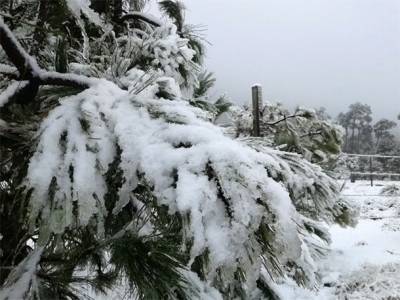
[284, 119]
[66, 79]
[142, 17]
[12, 90]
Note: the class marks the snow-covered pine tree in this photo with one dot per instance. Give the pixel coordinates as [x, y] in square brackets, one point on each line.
[110, 177]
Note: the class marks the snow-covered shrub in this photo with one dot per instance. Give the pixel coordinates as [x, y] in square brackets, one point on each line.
[371, 282]
[390, 190]
[344, 165]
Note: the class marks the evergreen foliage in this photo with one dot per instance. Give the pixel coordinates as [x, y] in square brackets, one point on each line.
[112, 174]
[317, 139]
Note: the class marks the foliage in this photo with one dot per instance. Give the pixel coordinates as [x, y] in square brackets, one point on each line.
[302, 131]
[391, 190]
[364, 137]
[123, 179]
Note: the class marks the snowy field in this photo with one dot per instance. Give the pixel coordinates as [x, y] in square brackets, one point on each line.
[365, 260]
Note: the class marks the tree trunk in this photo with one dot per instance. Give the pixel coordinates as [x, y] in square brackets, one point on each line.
[352, 139]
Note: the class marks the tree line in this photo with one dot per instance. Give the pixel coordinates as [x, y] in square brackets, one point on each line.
[363, 135]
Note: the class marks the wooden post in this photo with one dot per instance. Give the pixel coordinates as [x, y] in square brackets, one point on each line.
[352, 177]
[257, 107]
[370, 171]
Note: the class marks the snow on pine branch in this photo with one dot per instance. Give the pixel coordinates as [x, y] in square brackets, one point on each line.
[136, 15]
[26, 65]
[28, 68]
[8, 70]
[22, 282]
[313, 192]
[11, 90]
[222, 185]
[83, 6]
[161, 51]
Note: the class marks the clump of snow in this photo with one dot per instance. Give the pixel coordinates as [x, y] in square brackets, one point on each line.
[83, 6]
[378, 207]
[391, 224]
[78, 7]
[256, 85]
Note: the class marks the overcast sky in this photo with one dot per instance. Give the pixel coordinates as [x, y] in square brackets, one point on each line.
[305, 52]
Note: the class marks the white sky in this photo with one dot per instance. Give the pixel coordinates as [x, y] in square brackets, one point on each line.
[305, 52]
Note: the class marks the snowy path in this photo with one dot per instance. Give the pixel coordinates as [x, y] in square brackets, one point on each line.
[365, 260]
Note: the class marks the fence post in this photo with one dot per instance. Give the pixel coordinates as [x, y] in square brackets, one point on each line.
[257, 107]
[370, 171]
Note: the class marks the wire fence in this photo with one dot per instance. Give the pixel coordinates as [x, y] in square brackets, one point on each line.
[375, 166]
[371, 195]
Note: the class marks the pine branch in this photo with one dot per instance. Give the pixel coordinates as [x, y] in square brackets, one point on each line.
[175, 11]
[29, 70]
[66, 79]
[312, 133]
[142, 17]
[11, 18]
[284, 119]
[25, 64]
[9, 71]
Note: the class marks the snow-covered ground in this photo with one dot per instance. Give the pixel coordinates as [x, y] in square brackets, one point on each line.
[365, 261]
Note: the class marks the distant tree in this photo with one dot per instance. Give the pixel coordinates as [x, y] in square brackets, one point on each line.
[361, 136]
[383, 135]
[322, 114]
[386, 144]
[358, 130]
[344, 120]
